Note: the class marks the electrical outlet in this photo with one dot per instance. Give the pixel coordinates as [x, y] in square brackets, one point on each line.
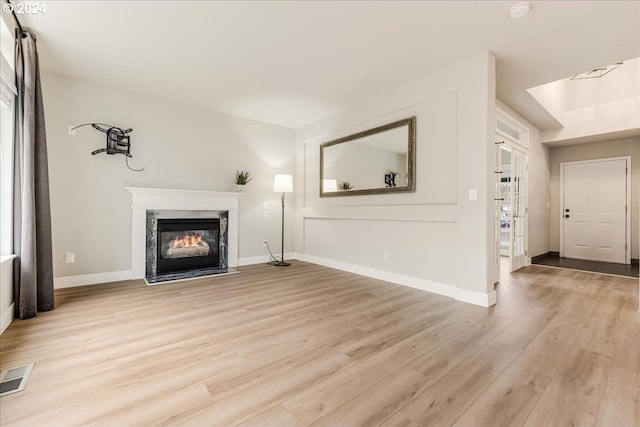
[265, 214]
[69, 258]
[385, 255]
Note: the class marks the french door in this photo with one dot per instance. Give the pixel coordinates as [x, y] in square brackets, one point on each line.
[511, 206]
[518, 196]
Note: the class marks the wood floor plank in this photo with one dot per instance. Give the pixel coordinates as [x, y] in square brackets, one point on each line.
[573, 395]
[373, 372]
[620, 401]
[235, 405]
[508, 401]
[275, 415]
[312, 345]
[378, 404]
[452, 388]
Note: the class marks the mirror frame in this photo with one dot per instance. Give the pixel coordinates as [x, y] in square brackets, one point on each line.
[411, 160]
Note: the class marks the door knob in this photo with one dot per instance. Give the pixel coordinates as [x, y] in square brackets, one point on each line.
[566, 210]
[566, 216]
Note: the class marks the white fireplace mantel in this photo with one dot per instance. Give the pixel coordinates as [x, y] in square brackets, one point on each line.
[170, 199]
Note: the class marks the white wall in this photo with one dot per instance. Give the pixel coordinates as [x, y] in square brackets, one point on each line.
[601, 150]
[6, 245]
[593, 107]
[539, 187]
[602, 119]
[180, 146]
[435, 238]
[6, 293]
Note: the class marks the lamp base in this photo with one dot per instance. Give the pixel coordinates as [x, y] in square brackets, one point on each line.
[280, 263]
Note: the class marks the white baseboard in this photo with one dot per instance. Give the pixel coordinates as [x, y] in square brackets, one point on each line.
[477, 298]
[263, 259]
[91, 279]
[117, 276]
[472, 297]
[7, 318]
[250, 260]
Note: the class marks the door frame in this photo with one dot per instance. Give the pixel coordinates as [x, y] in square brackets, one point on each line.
[513, 134]
[627, 252]
[525, 154]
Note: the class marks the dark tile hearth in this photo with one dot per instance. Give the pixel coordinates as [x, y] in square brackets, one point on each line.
[553, 260]
[168, 277]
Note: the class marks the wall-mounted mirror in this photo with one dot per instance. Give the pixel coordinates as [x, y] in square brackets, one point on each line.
[375, 161]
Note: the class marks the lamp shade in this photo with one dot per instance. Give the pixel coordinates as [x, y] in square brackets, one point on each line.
[283, 183]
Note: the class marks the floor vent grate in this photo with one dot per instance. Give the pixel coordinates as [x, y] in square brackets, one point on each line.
[13, 380]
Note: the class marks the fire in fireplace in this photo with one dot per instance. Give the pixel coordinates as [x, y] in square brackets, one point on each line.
[190, 244]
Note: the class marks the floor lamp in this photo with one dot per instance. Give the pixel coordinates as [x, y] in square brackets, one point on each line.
[282, 184]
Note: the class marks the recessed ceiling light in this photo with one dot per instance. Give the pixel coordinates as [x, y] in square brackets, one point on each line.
[519, 10]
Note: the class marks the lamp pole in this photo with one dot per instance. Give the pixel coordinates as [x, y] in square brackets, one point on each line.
[282, 262]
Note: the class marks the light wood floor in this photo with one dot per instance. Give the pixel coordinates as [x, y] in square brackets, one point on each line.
[307, 345]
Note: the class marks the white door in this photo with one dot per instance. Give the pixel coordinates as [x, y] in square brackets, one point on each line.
[594, 210]
[518, 199]
[498, 204]
[505, 196]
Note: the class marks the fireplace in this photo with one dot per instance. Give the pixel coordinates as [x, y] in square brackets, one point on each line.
[185, 244]
[149, 204]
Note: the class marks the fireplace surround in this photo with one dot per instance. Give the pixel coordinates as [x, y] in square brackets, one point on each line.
[183, 244]
[150, 204]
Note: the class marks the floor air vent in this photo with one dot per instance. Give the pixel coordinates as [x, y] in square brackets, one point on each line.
[13, 380]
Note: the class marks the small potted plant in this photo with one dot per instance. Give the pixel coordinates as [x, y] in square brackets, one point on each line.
[346, 185]
[241, 179]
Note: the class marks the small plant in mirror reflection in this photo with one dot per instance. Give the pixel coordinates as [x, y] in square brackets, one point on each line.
[345, 185]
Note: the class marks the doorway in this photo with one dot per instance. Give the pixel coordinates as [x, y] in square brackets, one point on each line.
[511, 171]
[595, 219]
[511, 206]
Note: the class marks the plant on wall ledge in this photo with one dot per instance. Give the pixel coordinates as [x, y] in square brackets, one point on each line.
[345, 185]
[241, 179]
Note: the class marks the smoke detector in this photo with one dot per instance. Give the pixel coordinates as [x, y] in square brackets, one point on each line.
[519, 10]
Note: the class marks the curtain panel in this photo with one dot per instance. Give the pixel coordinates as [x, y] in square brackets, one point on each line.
[33, 268]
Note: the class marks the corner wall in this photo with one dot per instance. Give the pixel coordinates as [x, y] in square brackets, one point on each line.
[436, 238]
[180, 146]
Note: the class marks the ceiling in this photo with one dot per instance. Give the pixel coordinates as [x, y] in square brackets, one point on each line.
[565, 95]
[292, 63]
